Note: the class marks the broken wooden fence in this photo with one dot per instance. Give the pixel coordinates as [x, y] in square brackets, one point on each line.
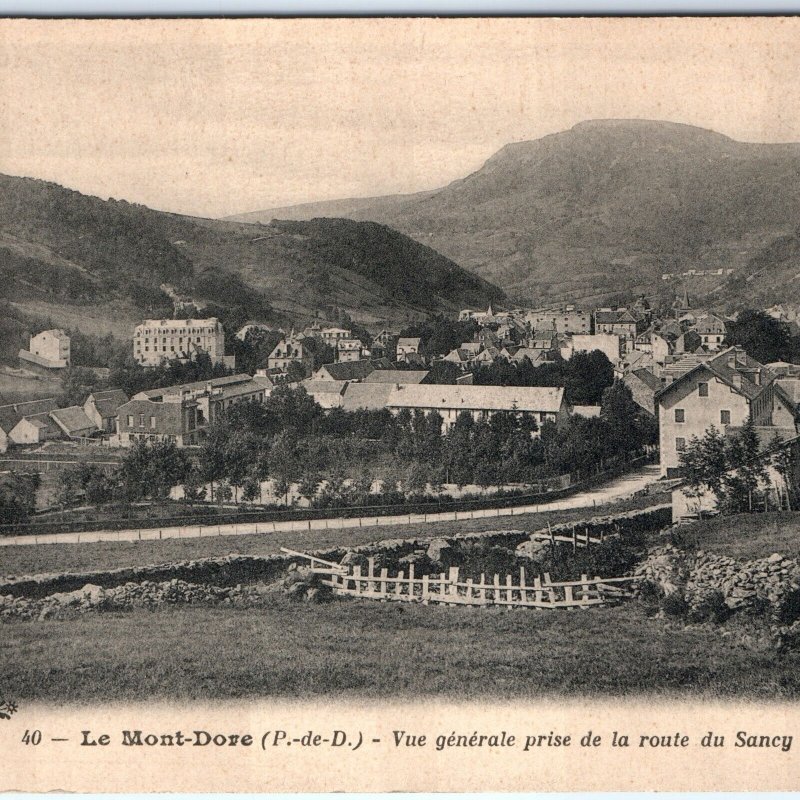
[447, 588]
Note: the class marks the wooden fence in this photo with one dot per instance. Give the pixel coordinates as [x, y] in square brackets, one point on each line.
[513, 591]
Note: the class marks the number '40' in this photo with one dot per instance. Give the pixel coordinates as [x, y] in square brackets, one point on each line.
[32, 737]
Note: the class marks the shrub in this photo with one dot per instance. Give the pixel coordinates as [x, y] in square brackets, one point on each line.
[709, 607]
[674, 605]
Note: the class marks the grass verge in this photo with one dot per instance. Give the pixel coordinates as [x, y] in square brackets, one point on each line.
[367, 649]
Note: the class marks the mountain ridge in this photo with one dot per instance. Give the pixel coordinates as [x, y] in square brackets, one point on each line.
[607, 206]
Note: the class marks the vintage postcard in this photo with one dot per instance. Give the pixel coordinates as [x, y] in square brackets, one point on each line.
[399, 404]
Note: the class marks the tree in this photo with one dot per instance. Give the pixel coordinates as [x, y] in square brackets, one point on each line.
[151, 469]
[18, 496]
[761, 336]
[733, 469]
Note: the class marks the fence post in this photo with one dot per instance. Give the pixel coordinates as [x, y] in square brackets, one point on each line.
[496, 588]
[584, 589]
[537, 585]
[398, 587]
[523, 595]
[509, 592]
[371, 573]
[425, 590]
[357, 576]
[383, 586]
[482, 591]
[452, 581]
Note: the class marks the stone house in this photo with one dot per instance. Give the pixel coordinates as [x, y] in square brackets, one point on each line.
[723, 390]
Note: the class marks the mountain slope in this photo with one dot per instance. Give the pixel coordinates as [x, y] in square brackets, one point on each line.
[62, 248]
[606, 206]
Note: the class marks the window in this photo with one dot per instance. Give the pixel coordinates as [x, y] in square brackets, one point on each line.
[141, 420]
[153, 423]
[725, 417]
[680, 415]
[130, 420]
[702, 389]
[680, 444]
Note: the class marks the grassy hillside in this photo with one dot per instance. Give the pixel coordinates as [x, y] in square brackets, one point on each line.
[62, 252]
[609, 206]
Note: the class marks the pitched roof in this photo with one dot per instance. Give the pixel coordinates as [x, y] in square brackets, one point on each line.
[648, 378]
[478, 398]
[72, 419]
[347, 370]
[734, 368]
[408, 341]
[397, 376]
[43, 422]
[108, 402]
[12, 413]
[216, 383]
[370, 396]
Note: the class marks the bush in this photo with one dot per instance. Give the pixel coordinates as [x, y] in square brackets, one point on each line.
[675, 605]
[709, 607]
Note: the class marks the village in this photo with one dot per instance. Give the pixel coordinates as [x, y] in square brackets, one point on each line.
[676, 368]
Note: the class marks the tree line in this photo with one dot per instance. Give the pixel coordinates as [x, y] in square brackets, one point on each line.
[365, 457]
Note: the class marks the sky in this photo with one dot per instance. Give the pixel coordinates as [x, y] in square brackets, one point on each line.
[217, 117]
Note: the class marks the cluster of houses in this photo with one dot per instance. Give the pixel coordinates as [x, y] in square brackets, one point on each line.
[677, 367]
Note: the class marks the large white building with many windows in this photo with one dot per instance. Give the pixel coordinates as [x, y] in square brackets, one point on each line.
[158, 340]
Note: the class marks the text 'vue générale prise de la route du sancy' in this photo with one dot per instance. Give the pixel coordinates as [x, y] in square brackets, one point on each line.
[353, 740]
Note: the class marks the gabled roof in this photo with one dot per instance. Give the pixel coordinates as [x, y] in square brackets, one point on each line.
[648, 378]
[72, 420]
[349, 370]
[108, 402]
[397, 376]
[43, 422]
[216, 383]
[12, 413]
[478, 398]
[409, 341]
[739, 376]
[369, 396]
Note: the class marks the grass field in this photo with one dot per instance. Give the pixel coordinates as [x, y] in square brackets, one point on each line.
[31, 559]
[746, 536]
[368, 649]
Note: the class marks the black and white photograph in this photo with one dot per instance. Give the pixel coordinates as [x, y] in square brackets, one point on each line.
[400, 360]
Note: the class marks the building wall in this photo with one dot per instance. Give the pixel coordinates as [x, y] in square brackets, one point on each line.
[25, 432]
[608, 343]
[700, 413]
[450, 415]
[155, 341]
[145, 419]
[51, 346]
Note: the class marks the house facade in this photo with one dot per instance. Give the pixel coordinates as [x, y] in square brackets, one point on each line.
[183, 413]
[101, 408]
[545, 404]
[407, 346]
[726, 390]
[287, 351]
[53, 346]
[156, 341]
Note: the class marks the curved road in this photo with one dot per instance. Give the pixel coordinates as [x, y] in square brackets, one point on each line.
[615, 489]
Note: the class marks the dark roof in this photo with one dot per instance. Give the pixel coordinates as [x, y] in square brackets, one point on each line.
[72, 420]
[355, 370]
[648, 378]
[12, 413]
[108, 402]
[745, 368]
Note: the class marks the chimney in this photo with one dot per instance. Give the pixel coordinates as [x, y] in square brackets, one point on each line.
[737, 380]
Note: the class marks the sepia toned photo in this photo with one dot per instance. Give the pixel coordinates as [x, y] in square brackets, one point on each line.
[399, 398]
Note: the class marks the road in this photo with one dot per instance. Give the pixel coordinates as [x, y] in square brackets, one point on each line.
[615, 489]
